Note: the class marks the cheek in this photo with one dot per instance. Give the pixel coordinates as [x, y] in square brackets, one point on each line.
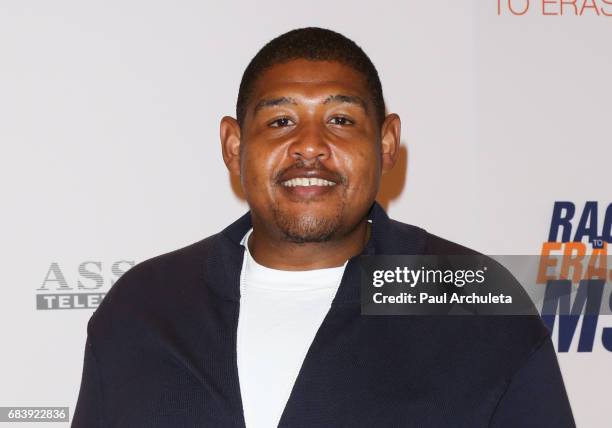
[362, 168]
[258, 170]
[254, 179]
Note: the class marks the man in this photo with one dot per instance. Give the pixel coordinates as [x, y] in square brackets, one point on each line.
[260, 324]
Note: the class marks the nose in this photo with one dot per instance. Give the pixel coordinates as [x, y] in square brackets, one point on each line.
[310, 144]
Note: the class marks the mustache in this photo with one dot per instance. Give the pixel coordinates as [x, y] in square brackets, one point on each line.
[308, 168]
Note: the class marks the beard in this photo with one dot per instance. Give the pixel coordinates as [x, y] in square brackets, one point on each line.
[304, 227]
[307, 227]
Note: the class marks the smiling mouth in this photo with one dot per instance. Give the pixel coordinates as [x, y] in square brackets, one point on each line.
[307, 182]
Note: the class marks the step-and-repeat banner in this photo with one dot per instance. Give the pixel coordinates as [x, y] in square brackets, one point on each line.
[109, 125]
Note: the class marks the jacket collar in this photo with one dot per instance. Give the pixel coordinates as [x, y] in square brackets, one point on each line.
[387, 237]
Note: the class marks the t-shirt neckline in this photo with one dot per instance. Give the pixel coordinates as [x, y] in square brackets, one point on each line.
[290, 280]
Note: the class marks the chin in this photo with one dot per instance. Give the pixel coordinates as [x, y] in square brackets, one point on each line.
[307, 228]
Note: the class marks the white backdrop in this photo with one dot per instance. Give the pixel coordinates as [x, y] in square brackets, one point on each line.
[109, 117]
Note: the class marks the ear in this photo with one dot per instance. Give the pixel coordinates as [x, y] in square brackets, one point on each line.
[230, 144]
[390, 141]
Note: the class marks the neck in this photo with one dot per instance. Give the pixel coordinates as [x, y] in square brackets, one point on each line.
[276, 253]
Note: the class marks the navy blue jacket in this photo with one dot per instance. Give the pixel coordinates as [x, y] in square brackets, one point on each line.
[161, 352]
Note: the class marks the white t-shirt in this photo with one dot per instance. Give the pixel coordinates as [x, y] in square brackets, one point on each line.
[280, 313]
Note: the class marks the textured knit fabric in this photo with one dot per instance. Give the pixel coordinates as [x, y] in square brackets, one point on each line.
[161, 352]
[280, 312]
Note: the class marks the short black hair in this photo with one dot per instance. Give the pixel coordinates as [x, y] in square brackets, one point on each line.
[315, 44]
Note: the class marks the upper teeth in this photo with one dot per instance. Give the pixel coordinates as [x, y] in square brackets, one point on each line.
[301, 181]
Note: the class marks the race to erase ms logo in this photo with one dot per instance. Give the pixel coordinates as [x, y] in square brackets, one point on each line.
[576, 270]
[578, 8]
[80, 287]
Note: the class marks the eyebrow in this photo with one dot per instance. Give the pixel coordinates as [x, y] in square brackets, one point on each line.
[349, 99]
[337, 98]
[272, 102]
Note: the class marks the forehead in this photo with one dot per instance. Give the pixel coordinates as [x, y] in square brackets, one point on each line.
[309, 78]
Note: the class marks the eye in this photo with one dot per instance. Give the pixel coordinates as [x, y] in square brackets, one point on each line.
[340, 120]
[281, 122]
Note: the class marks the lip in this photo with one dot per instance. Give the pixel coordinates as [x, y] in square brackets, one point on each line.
[306, 193]
[309, 173]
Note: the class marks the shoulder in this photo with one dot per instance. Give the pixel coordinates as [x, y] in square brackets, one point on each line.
[155, 284]
[517, 334]
[406, 238]
[437, 245]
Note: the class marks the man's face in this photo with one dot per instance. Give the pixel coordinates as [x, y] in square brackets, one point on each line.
[310, 150]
